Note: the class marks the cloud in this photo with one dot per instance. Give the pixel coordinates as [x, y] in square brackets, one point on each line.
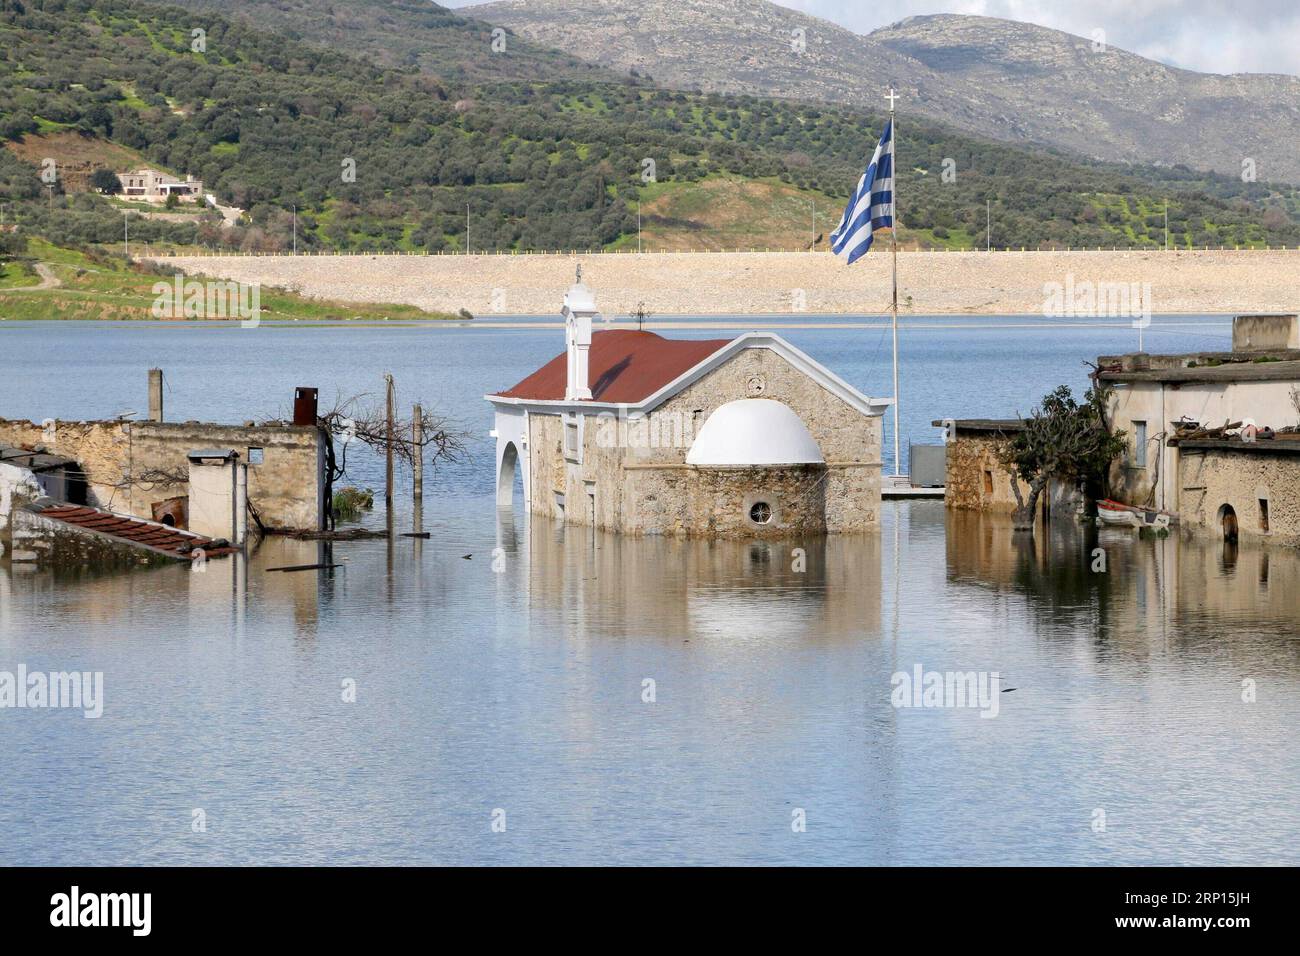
[1212, 36]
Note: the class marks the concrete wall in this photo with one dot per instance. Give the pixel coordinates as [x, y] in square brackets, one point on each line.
[18, 487]
[644, 487]
[1211, 479]
[119, 458]
[1258, 332]
[989, 283]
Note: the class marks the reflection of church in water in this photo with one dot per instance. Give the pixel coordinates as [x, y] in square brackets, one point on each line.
[824, 587]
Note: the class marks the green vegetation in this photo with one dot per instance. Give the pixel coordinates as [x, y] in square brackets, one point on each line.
[104, 181]
[17, 273]
[349, 502]
[101, 285]
[545, 153]
[1062, 440]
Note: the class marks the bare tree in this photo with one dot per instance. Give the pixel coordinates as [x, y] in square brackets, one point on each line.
[363, 418]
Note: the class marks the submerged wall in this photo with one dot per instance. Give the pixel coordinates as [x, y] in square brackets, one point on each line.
[975, 480]
[1262, 487]
[131, 465]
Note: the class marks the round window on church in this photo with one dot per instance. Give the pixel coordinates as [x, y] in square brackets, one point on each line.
[760, 512]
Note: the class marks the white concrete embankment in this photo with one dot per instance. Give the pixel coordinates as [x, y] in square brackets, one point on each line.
[979, 283]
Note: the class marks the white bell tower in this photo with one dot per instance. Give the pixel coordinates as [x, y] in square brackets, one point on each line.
[579, 310]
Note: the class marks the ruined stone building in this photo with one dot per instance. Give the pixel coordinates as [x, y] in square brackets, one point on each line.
[1213, 438]
[87, 490]
[1244, 479]
[632, 432]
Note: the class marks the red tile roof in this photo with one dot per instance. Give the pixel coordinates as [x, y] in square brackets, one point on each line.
[625, 366]
[136, 532]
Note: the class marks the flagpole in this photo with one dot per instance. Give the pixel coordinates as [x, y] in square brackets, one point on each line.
[893, 242]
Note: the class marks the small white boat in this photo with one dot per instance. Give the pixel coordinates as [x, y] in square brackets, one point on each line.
[1118, 514]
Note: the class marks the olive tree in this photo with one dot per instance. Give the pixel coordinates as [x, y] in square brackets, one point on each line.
[1062, 439]
[105, 181]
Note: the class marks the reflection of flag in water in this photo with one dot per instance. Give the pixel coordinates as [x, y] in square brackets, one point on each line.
[871, 206]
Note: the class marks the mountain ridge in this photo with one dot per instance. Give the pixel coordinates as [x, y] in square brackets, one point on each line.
[1002, 79]
[324, 149]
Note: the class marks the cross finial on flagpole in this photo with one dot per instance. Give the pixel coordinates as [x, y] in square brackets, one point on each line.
[891, 96]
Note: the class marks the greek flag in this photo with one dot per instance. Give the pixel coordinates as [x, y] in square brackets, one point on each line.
[871, 206]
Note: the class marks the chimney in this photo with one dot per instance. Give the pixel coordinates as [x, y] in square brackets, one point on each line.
[304, 405]
[219, 495]
[579, 310]
[155, 395]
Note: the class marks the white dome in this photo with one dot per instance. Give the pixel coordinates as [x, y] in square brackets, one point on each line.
[754, 431]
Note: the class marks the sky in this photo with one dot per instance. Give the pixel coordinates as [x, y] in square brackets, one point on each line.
[1212, 36]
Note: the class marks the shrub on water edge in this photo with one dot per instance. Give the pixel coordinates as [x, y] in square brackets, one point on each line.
[350, 502]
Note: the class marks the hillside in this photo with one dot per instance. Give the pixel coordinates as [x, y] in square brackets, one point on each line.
[378, 159]
[74, 285]
[410, 33]
[1011, 81]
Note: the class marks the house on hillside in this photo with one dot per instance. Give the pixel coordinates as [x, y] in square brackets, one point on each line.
[150, 185]
[632, 432]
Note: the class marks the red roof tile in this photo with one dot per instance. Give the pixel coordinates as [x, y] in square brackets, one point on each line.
[625, 366]
[136, 532]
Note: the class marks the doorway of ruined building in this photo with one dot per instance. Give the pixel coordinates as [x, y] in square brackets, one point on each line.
[1228, 521]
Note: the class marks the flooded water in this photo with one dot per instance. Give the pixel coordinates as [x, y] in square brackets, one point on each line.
[634, 701]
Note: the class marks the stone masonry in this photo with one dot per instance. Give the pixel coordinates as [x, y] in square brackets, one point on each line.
[647, 487]
[130, 465]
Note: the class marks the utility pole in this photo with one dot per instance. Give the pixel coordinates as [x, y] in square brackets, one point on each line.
[466, 228]
[417, 440]
[1166, 225]
[638, 225]
[295, 229]
[893, 251]
[388, 442]
[988, 225]
[126, 239]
